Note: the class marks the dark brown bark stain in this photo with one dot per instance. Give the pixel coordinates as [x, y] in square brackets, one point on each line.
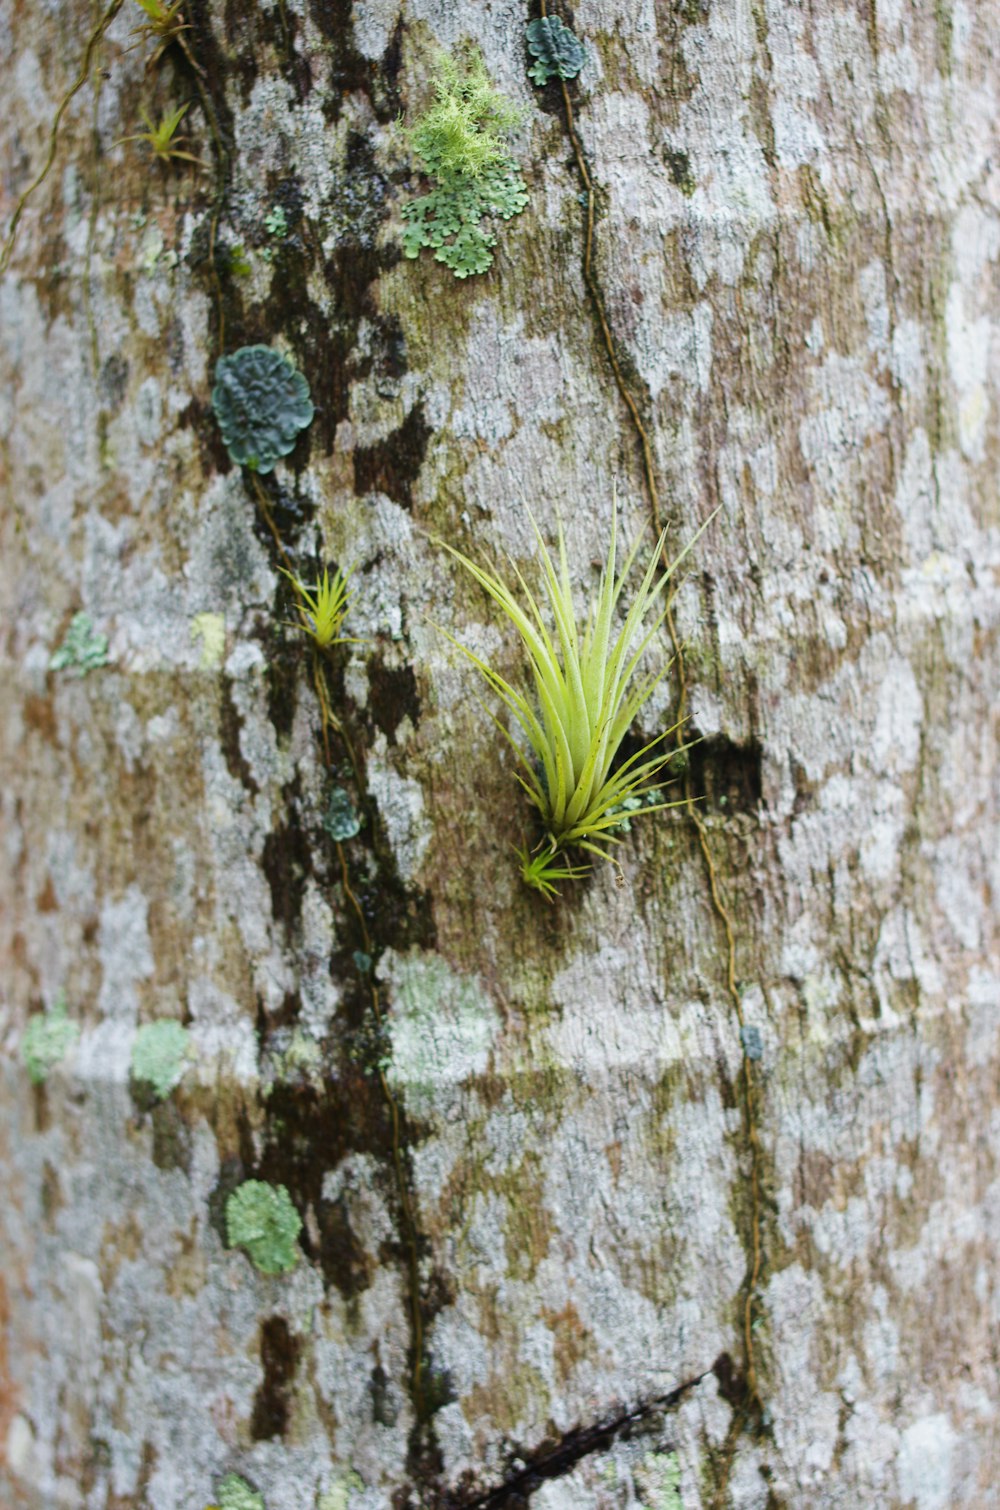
[279, 1357]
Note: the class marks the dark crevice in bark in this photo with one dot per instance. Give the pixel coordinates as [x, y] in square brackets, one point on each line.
[279, 1357]
[554, 1460]
[726, 776]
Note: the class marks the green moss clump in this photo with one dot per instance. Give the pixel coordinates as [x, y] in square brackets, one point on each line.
[158, 1055]
[48, 1036]
[461, 143]
[262, 1219]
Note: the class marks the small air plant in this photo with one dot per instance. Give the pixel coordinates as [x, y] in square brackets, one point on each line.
[164, 25]
[324, 608]
[161, 137]
[588, 691]
[544, 868]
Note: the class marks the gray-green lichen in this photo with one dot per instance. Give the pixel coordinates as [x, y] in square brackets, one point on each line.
[235, 1493]
[341, 821]
[158, 1055]
[658, 1477]
[261, 403]
[262, 1219]
[340, 1492]
[82, 650]
[48, 1036]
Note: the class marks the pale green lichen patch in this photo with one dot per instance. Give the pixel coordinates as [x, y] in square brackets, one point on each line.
[262, 1219]
[235, 1493]
[158, 1055]
[210, 628]
[83, 649]
[48, 1036]
[658, 1477]
[443, 1024]
[340, 1492]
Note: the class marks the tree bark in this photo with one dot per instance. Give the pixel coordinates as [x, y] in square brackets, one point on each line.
[685, 1184]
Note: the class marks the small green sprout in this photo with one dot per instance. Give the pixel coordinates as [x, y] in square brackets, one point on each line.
[82, 650]
[158, 1055]
[276, 222]
[558, 53]
[161, 136]
[461, 143]
[324, 607]
[542, 870]
[589, 691]
[47, 1038]
[262, 1219]
[164, 25]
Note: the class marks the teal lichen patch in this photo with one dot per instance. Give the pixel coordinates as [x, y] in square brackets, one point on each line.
[262, 1219]
[461, 143]
[83, 649]
[659, 1479]
[557, 51]
[261, 403]
[159, 1054]
[47, 1038]
[340, 820]
[235, 1493]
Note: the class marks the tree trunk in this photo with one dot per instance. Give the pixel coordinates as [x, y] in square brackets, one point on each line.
[683, 1188]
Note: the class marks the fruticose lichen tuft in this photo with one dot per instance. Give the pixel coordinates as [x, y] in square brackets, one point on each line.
[461, 143]
[235, 1494]
[158, 1055]
[82, 650]
[261, 402]
[46, 1039]
[262, 1219]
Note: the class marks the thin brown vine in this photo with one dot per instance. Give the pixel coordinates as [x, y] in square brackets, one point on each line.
[751, 1400]
[328, 722]
[88, 53]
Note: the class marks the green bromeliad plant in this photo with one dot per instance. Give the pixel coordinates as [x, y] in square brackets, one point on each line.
[589, 685]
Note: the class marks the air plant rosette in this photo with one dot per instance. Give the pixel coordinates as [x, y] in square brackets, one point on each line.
[588, 688]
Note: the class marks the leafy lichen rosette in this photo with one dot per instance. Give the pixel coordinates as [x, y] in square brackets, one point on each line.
[261, 403]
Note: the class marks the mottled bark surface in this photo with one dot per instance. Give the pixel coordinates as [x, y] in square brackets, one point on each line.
[798, 244]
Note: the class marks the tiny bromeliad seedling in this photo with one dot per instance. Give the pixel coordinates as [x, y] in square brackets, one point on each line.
[461, 142]
[163, 25]
[589, 688]
[161, 138]
[324, 608]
